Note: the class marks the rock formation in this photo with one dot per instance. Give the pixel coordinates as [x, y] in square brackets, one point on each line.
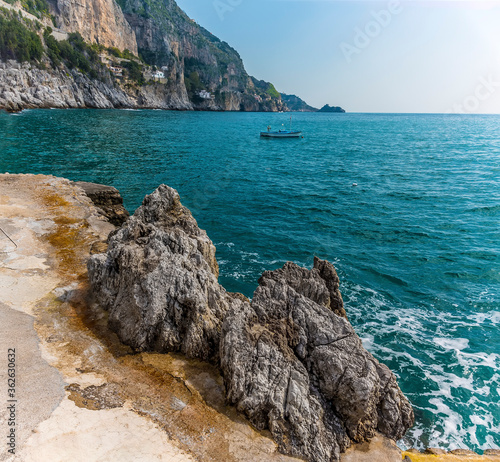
[290, 359]
[167, 37]
[24, 86]
[98, 21]
[108, 199]
[159, 280]
[296, 104]
[293, 365]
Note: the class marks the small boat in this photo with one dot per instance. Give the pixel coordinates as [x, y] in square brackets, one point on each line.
[281, 133]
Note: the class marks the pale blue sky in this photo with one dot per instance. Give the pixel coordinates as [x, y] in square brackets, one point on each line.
[425, 56]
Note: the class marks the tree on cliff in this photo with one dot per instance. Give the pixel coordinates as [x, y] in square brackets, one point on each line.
[17, 42]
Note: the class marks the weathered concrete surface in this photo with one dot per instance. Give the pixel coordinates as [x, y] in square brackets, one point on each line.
[83, 396]
[35, 376]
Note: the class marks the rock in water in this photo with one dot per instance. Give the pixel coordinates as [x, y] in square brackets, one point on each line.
[293, 365]
[158, 280]
[290, 359]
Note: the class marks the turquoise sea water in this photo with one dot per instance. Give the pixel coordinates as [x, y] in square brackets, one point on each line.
[416, 243]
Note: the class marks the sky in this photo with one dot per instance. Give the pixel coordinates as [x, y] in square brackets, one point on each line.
[396, 56]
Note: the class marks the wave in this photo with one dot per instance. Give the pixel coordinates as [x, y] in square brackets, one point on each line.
[452, 384]
[485, 210]
[388, 277]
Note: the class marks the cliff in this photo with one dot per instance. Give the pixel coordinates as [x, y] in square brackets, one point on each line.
[122, 47]
[26, 86]
[98, 21]
[166, 36]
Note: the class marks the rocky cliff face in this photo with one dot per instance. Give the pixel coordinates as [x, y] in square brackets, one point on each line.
[291, 361]
[24, 86]
[166, 36]
[202, 72]
[98, 21]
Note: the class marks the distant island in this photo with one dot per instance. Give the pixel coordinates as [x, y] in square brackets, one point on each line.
[328, 108]
[296, 104]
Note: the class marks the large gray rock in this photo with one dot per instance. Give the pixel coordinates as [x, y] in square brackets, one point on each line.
[293, 365]
[290, 359]
[158, 280]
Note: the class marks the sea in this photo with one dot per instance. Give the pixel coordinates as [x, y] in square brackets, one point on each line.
[407, 207]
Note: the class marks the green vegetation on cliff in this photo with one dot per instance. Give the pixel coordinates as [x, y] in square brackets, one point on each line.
[74, 52]
[125, 54]
[38, 8]
[20, 41]
[193, 83]
[134, 70]
[271, 91]
[17, 41]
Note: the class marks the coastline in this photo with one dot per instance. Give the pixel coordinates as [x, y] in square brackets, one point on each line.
[53, 217]
[26, 86]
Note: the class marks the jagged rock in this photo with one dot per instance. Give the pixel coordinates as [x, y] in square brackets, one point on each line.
[158, 280]
[108, 199]
[294, 366]
[290, 359]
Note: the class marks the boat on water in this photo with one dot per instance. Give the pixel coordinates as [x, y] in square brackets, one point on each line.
[282, 133]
